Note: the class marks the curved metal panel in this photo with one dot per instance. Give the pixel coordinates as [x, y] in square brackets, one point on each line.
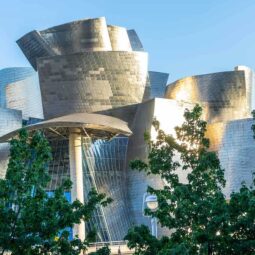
[10, 75]
[235, 145]
[119, 38]
[73, 37]
[33, 46]
[170, 114]
[25, 95]
[222, 94]
[78, 36]
[10, 120]
[91, 81]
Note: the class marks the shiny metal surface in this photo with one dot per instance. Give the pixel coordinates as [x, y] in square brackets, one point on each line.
[9, 120]
[73, 37]
[119, 38]
[10, 75]
[91, 81]
[170, 114]
[86, 66]
[235, 145]
[25, 95]
[221, 94]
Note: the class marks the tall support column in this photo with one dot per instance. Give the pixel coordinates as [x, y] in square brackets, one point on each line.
[76, 173]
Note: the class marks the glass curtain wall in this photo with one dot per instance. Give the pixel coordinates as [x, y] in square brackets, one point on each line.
[104, 169]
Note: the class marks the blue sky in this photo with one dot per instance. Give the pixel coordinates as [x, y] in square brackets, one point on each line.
[182, 37]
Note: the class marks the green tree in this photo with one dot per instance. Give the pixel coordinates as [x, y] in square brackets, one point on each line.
[31, 221]
[196, 213]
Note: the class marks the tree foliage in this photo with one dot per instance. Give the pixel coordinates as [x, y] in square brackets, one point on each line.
[199, 218]
[31, 221]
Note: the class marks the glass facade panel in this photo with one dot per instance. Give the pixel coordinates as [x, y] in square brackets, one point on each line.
[59, 168]
[104, 169]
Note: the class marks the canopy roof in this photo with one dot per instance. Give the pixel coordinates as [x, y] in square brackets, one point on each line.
[94, 125]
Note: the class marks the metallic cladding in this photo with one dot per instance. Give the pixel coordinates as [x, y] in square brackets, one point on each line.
[96, 125]
[119, 38]
[33, 46]
[73, 37]
[25, 95]
[86, 66]
[221, 94]
[79, 36]
[91, 81]
[235, 145]
[170, 114]
[10, 75]
[10, 120]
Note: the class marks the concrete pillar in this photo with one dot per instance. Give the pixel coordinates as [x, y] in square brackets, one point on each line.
[76, 173]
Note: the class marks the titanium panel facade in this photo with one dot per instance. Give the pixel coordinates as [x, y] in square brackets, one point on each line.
[10, 120]
[33, 46]
[119, 38]
[10, 75]
[69, 38]
[221, 94]
[86, 66]
[91, 81]
[170, 117]
[234, 142]
[158, 82]
[78, 36]
[25, 95]
[250, 84]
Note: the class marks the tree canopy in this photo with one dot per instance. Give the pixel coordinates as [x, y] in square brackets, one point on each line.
[31, 221]
[199, 218]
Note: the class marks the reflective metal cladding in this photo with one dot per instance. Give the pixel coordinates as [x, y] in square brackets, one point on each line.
[228, 99]
[91, 81]
[10, 75]
[234, 142]
[86, 66]
[9, 120]
[25, 95]
[221, 94]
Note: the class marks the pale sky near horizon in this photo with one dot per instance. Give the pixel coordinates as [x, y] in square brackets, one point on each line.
[182, 37]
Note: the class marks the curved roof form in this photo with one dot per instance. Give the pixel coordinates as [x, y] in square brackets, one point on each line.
[94, 125]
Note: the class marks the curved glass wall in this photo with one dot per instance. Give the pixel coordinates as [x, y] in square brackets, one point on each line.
[104, 163]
